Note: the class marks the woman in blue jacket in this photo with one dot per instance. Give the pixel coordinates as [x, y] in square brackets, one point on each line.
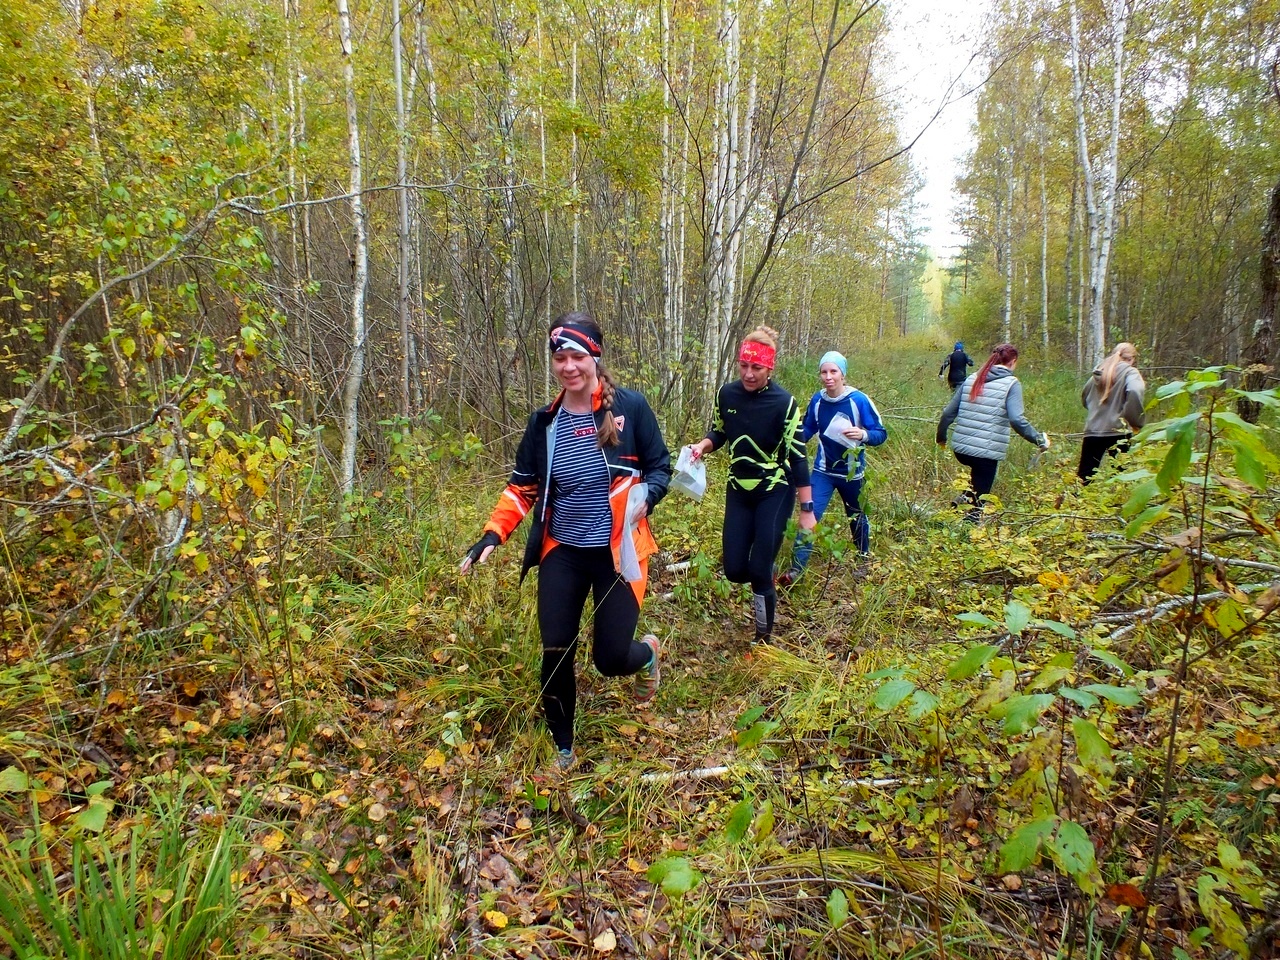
[839, 467]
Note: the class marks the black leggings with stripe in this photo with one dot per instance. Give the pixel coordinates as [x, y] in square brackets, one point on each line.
[754, 523]
[565, 577]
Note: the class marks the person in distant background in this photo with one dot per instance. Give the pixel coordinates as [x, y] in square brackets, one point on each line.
[760, 424]
[1113, 397]
[982, 409]
[576, 467]
[956, 364]
[837, 467]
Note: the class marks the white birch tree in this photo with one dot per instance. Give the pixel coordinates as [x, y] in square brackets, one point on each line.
[402, 176]
[1099, 172]
[359, 266]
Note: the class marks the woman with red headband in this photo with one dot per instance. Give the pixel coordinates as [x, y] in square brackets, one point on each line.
[983, 408]
[761, 424]
[591, 467]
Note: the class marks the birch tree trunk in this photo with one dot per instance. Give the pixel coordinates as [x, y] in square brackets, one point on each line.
[402, 176]
[1044, 247]
[1010, 183]
[359, 267]
[573, 180]
[673, 334]
[507, 128]
[546, 214]
[884, 277]
[1100, 175]
[720, 282]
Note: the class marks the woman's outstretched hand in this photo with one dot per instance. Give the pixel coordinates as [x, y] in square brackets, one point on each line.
[698, 450]
[479, 551]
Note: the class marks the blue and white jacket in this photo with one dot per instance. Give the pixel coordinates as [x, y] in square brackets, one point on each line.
[833, 459]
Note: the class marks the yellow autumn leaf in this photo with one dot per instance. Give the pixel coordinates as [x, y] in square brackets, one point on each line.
[434, 760]
[273, 841]
[496, 919]
[1247, 738]
[1054, 580]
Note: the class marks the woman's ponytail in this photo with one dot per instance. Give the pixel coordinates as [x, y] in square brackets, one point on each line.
[1003, 355]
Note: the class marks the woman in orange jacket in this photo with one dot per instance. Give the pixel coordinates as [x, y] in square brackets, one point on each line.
[591, 467]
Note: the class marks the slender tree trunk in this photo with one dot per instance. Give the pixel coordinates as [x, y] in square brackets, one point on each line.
[573, 179]
[884, 277]
[1044, 255]
[1007, 325]
[547, 255]
[1068, 270]
[507, 128]
[678, 299]
[402, 176]
[417, 297]
[359, 267]
[673, 335]
[720, 284]
[1100, 180]
[1257, 355]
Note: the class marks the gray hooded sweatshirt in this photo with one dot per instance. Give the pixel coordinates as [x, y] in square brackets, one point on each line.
[1121, 410]
[982, 425]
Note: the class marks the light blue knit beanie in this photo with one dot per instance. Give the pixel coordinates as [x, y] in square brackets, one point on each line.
[831, 356]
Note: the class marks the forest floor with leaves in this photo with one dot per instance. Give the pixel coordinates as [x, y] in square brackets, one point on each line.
[1054, 731]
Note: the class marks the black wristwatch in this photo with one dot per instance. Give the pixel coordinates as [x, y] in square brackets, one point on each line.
[806, 506]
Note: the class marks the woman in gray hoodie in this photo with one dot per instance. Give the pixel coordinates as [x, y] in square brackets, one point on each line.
[983, 409]
[1113, 397]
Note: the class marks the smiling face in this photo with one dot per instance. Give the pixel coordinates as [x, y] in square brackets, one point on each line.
[754, 375]
[832, 379]
[575, 371]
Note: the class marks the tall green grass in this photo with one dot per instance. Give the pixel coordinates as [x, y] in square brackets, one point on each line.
[168, 895]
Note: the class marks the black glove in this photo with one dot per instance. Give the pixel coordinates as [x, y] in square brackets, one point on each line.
[490, 539]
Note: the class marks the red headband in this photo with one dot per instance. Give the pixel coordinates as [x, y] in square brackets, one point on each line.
[761, 353]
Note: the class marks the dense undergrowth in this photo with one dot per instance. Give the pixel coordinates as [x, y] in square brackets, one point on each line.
[1052, 733]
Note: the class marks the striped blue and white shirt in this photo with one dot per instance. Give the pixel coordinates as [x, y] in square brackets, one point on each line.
[580, 514]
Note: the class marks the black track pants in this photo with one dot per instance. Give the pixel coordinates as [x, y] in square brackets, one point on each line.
[1093, 449]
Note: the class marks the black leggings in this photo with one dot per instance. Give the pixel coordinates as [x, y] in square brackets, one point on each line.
[565, 576]
[754, 523]
[982, 474]
[1093, 449]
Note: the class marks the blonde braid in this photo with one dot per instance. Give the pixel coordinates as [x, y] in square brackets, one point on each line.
[608, 432]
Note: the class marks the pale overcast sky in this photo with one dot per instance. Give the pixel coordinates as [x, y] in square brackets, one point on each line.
[933, 42]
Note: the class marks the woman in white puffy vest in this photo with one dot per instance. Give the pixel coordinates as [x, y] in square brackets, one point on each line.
[982, 409]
